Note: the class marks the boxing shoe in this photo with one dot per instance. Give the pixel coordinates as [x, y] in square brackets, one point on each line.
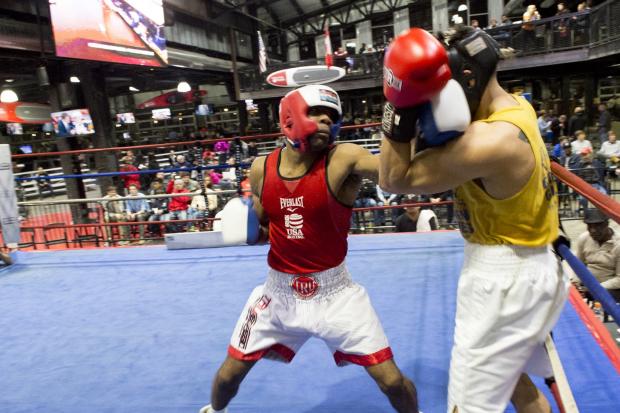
[209, 409]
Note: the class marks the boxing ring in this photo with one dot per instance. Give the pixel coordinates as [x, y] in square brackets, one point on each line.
[144, 330]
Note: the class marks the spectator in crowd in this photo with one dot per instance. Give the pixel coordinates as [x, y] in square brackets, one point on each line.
[178, 205]
[44, 185]
[475, 24]
[385, 198]
[189, 183]
[366, 199]
[505, 21]
[416, 219]
[581, 142]
[362, 49]
[137, 209]
[181, 162]
[559, 127]
[592, 171]
[114, 211]
[599, 249]
[604, 122]
[222, 149]
[443, 197]
[492, 24]
[569, 159]
[544, 125]
[252, 152]
[576, 122]
[129, 179]
[172, 157]
[368, 58]
[341, 56]
[528, 29]
[159, 208]
[197, 210]
[610, 149]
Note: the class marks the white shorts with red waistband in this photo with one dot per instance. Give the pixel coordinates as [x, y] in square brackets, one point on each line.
[282, 314]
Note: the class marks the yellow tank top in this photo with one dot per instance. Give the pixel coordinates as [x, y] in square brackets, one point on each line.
[528, 218]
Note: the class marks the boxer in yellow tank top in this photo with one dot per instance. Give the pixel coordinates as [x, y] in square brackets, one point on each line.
[511, 289]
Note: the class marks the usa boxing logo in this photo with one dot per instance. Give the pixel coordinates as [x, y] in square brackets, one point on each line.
[391, 80]
[304, 287]
[293, 222]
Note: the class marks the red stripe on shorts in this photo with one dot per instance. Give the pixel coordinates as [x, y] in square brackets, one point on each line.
[281, 351]
[364, 359]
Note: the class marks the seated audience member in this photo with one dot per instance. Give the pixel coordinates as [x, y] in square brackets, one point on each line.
[366, 199]
[592, 171]
[386, 198]
[44, 185]
[443, 197]
[581, 142]
[129, 179]
[610, 150]
[159, 208]
[599, 249]
[189, 183]
[201, 208]
[568, 159]
[252, 152]
[137, 209]
[181, 162]
[416, 219]
[114, 211]
[178, 205]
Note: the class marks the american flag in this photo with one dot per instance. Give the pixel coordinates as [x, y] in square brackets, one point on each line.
[262, 55]
[329, 58]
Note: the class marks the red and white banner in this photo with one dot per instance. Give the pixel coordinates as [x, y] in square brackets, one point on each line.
[329, 58]
[262, 55]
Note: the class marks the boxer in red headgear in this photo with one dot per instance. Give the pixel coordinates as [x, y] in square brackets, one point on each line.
[303, 196]
[512, 289]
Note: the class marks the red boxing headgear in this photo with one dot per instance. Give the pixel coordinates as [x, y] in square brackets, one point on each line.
[294, 120]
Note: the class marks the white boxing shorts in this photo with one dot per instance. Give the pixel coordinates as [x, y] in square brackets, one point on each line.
[282, 314]
[509, 297]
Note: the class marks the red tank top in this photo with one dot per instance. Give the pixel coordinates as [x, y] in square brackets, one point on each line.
[308, 226]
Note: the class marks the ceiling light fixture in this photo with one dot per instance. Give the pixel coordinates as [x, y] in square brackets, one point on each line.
[74, 79]
[133, 89]
[462, 7]
[8, 96]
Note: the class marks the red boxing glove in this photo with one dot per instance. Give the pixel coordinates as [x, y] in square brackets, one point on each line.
[415, 68]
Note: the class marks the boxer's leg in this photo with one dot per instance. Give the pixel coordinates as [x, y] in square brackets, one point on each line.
[227, 380]
[399, 389]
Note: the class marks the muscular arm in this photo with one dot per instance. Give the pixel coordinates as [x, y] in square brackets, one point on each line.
[365, 164]
[476, 154]
[257, 174]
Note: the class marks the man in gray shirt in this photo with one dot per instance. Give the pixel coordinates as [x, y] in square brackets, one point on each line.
[599, 249]
[610, 149]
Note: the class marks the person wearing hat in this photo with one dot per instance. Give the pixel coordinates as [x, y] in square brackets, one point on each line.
[599, 249]
[568, 159]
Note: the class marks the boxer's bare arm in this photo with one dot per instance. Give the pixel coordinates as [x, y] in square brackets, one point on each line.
[257, 174]
[354, 159]
[485, 151]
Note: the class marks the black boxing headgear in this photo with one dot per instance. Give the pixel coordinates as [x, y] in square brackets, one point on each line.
[473, 56]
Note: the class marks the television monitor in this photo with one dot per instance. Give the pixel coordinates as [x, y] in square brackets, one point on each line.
[118, 31]
[161, 114]
[204, 110]
[72, 122]
[124, 118]
[26, 148]
[14, 129]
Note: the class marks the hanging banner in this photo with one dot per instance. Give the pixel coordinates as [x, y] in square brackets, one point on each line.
[9, 218]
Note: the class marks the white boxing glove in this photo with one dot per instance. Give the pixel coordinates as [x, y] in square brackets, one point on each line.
[240, 224]
[446, 116]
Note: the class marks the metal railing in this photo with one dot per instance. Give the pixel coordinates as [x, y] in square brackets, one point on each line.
[560, 33]
[569, 31]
